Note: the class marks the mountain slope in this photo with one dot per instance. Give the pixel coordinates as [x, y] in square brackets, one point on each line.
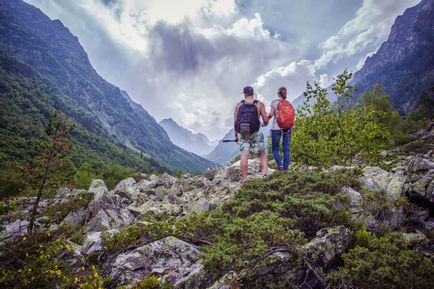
[224, 152]
[404, 64]
[61, 63]
[192, 142]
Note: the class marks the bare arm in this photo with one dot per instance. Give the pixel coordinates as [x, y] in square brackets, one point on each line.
[237, 107]
[271, 114]
[263, 114]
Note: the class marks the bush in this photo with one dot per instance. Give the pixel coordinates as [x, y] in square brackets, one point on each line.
[327, 134]
[383, 262]
[41, 261]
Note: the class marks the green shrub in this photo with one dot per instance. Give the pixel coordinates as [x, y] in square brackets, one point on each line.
[58, 211]
[44, 260]
[383, 262]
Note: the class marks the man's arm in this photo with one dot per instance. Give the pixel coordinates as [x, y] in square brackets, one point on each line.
[263, 114]
[271, 114]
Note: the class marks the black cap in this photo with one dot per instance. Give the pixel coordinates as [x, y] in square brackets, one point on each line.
[248, 90]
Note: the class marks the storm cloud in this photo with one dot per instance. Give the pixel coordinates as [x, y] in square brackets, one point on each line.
[189, 60]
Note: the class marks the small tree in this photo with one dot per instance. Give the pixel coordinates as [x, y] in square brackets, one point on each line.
[49, 157]
[327, 134]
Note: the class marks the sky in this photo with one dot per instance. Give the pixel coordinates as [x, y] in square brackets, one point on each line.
[190, 59]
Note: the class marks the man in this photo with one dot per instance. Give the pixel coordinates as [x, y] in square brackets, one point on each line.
[247, 134]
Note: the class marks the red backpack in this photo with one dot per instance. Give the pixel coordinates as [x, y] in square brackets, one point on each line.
[285, 119]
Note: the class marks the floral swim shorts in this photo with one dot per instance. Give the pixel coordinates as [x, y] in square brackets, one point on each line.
[254, 143]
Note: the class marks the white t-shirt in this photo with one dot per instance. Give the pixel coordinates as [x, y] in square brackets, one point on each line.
[274, 104]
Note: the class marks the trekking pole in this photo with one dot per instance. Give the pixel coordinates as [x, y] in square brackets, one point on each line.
[229, 140]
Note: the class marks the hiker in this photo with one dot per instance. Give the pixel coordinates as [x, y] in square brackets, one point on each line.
[284, 114]
[247, 134]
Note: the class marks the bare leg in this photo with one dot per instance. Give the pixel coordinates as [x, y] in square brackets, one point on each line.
[244, 165]
[264, 162]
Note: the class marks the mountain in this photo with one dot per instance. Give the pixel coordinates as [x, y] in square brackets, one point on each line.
[224, 152]
[184, 138]
[44, 67]
[404, 64]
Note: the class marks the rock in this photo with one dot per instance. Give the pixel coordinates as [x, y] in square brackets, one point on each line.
[201, 206]
[100, 222]
[414, 239]
[376, 178]
[128, 187]
[356, 199]
[228, 281]
[210, 173]
[98, 188]
[126, 216]
[420, 164]
[67, 192]
[328, 244]
[170, 259]
[93, 241]
[76, 218]
[14, 230]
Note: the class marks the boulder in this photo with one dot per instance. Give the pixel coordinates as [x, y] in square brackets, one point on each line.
[76, 218]
[99, 189]
[375, 178]
[99, 222]
[170, 259]
[356, 199]
[93, 241]
[328, 244]
[228, 281]
[233, 172]
[14, 230]
[128, 187]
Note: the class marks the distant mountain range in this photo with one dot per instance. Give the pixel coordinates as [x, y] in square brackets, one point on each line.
[404, 64]
[43, 67]
[193, 142]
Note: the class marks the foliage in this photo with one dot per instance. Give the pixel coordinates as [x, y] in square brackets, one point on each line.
[49, 158]
[276, 211]
[151, 282]
[383, 262]
[114, 174]
[58, 211]
[84, 176]
[137, 234]
[40, 261]
[327, 134]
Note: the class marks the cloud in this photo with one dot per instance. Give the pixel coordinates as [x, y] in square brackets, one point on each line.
[189, 60]
[358, 38]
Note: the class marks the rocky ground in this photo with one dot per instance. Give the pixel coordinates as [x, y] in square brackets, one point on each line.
[408, 172]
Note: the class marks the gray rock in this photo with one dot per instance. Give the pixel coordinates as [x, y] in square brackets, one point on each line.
[99, 222]
[328, 244]
[356, 199]
[14, 230]
[93, 241]
[420, 164]
[128, 187]
[392, 184]
[98, 188]
[226, 282]
[76, 218]
[171, 259]
[126, 216]
[200, 206]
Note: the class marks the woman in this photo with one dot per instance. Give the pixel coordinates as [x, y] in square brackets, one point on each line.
[277, 132]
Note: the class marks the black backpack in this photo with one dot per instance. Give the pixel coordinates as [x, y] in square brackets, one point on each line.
[248, 118]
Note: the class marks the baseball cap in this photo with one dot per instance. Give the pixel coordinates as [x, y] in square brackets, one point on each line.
[248, 90]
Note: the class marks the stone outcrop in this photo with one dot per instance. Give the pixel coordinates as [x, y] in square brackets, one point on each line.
[172, 260]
